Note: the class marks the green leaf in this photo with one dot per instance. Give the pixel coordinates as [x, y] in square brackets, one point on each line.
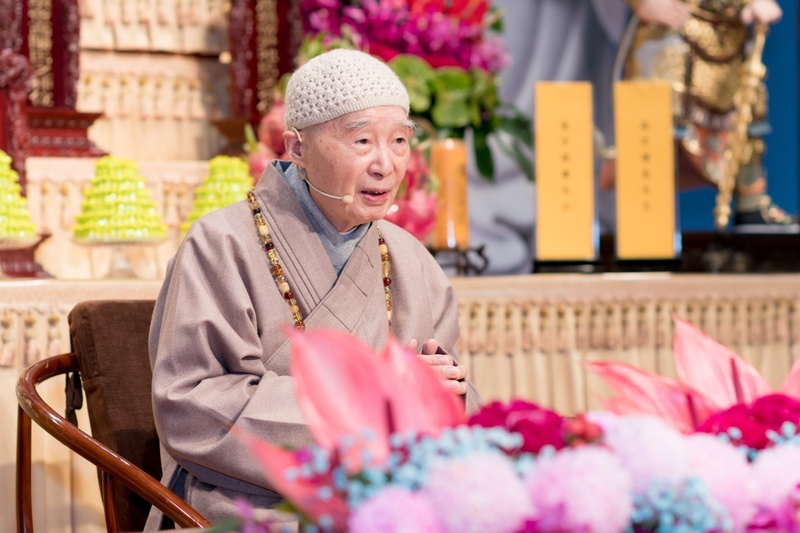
[415, 73]
[452, 87]
[483, 155]
[518, 150]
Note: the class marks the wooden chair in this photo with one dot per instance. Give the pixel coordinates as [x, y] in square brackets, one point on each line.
[110, 356]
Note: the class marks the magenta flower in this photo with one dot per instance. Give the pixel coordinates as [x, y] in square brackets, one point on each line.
[754, 421]
[539, 427]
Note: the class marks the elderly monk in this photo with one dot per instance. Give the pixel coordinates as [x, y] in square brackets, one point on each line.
[307, 249]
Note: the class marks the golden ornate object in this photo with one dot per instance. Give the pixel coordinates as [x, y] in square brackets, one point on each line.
[739, 150]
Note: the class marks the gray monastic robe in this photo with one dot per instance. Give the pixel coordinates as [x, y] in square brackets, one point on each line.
[218, 352]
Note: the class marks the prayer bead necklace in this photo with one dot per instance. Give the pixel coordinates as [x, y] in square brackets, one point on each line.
[283, 283]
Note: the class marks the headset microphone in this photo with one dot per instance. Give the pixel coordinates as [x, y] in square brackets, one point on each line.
[347, 198]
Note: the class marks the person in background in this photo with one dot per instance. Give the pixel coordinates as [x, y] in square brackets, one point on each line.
[306, 249]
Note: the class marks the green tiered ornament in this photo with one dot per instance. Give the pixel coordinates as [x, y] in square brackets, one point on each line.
[118, 207]
[16, 227]
[227, 182]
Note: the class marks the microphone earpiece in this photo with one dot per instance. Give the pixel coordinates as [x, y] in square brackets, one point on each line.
[296, 132]
[348, 199]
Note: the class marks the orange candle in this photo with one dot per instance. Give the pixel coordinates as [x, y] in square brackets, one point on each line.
[449, 166]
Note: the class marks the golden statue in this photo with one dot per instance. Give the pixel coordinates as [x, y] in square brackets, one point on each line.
[707, 51]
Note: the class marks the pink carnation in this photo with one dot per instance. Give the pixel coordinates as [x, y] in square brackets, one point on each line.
[727, 474]
[582, 489]
[776, 476]
[394, 510]
[478, 493]
[648, 448]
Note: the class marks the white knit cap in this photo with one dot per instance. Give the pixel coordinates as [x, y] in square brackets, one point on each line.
[338, 82]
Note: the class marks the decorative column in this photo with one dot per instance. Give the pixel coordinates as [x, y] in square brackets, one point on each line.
[50, 40]
[44, 35]
[263, 38]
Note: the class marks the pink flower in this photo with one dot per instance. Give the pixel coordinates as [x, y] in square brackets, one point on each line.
[394, 510]
[416, 213]
[727, 475]
[776, 474]
[648, 449]
[478, 493]
[271, 128]
[539, 427]
[259, 160]
[582, 489]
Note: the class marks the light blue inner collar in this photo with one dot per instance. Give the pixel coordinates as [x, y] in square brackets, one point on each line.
[339, 246]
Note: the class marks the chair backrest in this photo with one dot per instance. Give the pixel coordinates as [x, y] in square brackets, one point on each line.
[109, 339]
[110, 350]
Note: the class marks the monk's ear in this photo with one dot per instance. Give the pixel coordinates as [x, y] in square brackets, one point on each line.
[293, 145]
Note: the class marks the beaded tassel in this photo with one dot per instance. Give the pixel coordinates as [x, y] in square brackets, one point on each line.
[283, 283]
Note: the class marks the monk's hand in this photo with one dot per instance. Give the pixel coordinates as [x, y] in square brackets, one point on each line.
[670, 13]
[763, 11]
[452, 373]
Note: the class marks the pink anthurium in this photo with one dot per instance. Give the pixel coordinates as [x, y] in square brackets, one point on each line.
[640, 392]
[708, 366]
[341, 388]
[432, 407]
[303, 493]
[791, 386]
[713, 378]
[344, 387]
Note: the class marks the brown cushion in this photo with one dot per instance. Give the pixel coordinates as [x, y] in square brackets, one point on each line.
[109, 338]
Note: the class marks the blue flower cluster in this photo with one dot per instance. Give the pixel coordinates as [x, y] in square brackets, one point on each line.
[686, 507]
[407, 465]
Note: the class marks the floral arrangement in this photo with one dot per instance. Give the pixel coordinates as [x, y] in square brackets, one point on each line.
[395, 453]
[448, 54]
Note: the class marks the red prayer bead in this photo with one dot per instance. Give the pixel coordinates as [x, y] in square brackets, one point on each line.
[288, 295]
[387, 282]
[269, 245]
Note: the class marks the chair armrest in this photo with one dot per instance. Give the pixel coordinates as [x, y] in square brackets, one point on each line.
[107, 460]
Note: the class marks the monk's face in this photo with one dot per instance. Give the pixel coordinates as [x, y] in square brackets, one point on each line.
[363, 154]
